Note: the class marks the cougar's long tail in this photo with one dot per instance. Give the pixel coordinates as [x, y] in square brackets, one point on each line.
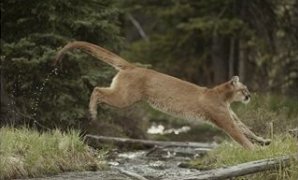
[96, 51]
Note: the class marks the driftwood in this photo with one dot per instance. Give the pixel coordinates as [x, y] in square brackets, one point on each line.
[203, 146]
[243, 169]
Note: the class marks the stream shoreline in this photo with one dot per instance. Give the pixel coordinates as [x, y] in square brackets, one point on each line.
[152, 164]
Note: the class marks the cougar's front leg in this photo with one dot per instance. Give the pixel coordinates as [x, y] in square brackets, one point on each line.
[248, 132]
[224, 121]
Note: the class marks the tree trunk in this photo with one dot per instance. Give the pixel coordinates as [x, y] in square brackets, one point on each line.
[218, 60]
[242, 61]
[232, 57]
[242, 11]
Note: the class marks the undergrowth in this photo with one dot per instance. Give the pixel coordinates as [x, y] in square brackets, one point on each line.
[28, 153]
[229, 153]
[271, 117]
[269, 114]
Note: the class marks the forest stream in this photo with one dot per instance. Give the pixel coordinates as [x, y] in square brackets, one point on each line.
[156, 163]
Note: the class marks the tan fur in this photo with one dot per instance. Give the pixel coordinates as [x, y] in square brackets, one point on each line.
[169, 94]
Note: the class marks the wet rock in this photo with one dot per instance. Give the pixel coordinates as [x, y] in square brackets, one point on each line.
[159, 165]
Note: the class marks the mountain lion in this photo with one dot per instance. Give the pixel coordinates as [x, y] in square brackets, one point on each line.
[169, 94]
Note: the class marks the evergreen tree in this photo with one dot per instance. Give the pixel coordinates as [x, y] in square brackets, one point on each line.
[207, 42]
[31, 32]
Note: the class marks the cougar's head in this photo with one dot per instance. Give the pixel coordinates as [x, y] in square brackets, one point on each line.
[240, 92]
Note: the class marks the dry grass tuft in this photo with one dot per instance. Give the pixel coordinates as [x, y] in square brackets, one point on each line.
[28, 153]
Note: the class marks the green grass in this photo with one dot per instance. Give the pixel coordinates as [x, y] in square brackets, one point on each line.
[267, 114]
[230, 153]
[28, 153]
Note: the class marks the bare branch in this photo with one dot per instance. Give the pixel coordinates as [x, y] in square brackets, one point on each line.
[138, 27]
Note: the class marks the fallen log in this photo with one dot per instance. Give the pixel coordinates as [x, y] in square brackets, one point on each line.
[243, 169]
[203, 146]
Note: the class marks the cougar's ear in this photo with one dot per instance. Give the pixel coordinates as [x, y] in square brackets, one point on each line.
[234, 80]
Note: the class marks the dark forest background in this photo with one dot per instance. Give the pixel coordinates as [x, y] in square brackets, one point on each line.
[204, 42]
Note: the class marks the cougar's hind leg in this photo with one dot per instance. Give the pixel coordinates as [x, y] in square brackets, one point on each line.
[119, 95]
[94, 100]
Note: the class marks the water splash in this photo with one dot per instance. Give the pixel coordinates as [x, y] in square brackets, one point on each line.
[38, 93]
[160, 129]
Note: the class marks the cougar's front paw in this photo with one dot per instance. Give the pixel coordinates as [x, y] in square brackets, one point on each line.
[264, 142]
[261, 141]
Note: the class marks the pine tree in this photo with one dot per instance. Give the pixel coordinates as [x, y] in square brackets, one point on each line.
[207, 42]
[31, 33]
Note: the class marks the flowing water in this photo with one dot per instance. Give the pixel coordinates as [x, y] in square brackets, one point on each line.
[154, 164]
